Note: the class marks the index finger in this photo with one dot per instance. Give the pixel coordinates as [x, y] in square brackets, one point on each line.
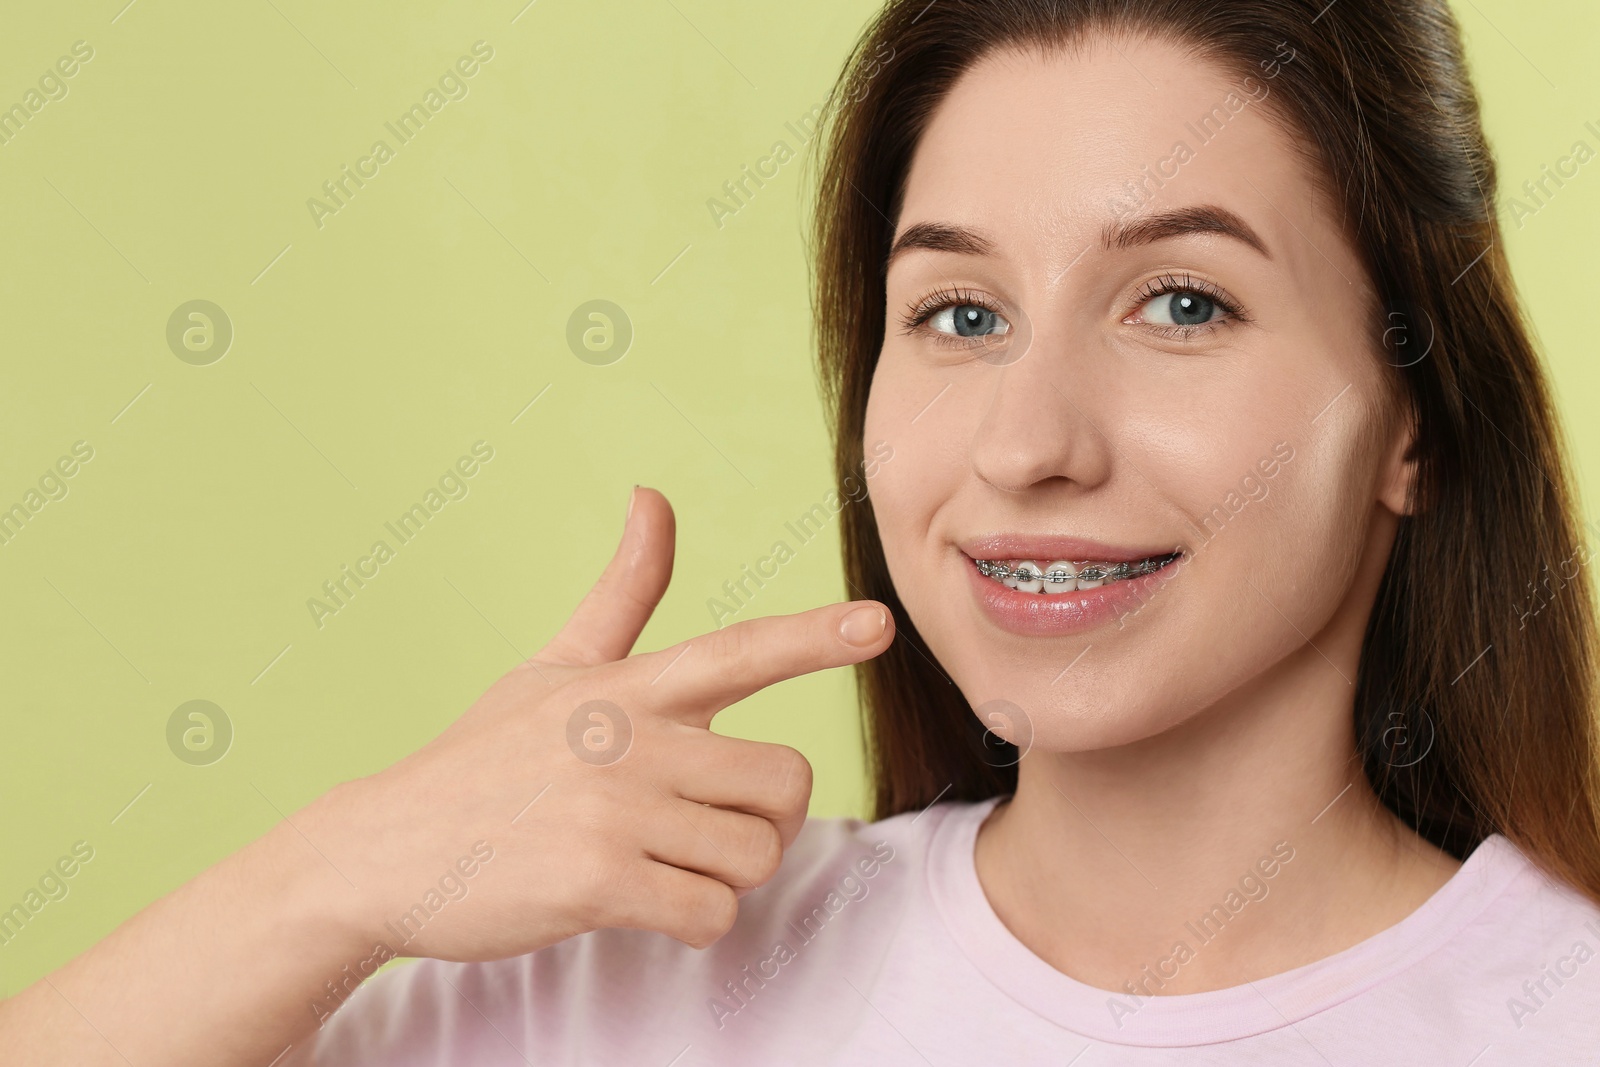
[697, 678]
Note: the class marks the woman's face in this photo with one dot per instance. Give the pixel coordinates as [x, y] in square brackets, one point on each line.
[1123, 323]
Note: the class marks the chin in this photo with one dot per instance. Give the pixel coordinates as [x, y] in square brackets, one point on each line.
[1052, 696]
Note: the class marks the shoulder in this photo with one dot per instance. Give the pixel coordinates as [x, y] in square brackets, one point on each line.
[1535, 910]
[1533, 956]
[843, 889]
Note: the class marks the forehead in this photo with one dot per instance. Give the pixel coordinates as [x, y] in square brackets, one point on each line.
[1036, 146]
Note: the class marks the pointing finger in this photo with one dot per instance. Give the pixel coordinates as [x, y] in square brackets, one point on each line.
[700, 677]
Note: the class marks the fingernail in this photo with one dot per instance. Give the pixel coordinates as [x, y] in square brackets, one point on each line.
[863, 626]
[632, 494]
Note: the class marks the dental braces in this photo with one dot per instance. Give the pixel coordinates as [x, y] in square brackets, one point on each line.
[1091, 573]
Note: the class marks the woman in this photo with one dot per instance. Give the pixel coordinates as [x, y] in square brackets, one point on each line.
[1209, 464]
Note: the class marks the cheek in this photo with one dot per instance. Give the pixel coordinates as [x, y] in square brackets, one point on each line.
[1213, 445]
[920, 414]
[1328, 496]
[1281, 553]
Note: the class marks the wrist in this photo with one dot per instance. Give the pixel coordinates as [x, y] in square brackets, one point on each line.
[324, 911]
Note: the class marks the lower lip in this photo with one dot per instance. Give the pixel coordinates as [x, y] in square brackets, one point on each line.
[1036, 614]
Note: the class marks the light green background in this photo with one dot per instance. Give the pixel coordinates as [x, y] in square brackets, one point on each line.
[370, 353]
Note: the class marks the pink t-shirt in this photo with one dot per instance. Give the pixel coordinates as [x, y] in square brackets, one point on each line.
[875, 944]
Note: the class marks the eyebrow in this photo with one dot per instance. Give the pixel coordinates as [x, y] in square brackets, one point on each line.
[940, 237]
[1206, 218]
[1145, 229]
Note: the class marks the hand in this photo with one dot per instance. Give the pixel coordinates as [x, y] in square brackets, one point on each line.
[592, 778]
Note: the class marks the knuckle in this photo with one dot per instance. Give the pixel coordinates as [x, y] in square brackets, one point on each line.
[763, 852]
[732, 646]
[587, 897]
[794, 777]
[593, 721]
[565, 694]
[591, 812]
[715, 913]
[629, 592]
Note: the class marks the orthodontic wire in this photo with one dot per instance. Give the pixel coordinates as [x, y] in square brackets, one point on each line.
[1092, 574]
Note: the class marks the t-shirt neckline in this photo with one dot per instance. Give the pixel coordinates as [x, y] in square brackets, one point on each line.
[1195, 1018]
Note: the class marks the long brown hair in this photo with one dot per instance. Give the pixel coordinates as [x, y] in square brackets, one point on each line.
[1481, 646]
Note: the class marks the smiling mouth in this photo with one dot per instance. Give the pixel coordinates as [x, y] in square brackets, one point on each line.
[1063, 576]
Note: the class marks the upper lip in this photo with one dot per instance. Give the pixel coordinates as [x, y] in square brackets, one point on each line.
[1050, 547]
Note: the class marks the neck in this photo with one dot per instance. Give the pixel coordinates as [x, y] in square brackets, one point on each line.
[1247, 836]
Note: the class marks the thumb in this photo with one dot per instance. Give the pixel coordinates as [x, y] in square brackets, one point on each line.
[608, 621]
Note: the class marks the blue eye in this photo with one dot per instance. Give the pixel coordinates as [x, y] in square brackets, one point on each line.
[1182, 305]
[1181, 308]
[968, 320]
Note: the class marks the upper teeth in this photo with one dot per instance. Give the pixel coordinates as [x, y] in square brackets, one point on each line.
[1062, 576]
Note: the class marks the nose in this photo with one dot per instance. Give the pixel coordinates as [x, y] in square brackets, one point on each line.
[1039, 427]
